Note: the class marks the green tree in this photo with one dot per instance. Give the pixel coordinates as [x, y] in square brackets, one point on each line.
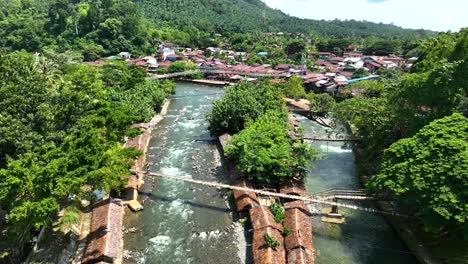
[361, 72]
[429, 171]
[265, 153]
[372, 119]
[294, 87]
[320, 104]
[242, 103]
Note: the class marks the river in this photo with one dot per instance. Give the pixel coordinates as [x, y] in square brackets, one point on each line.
[364, 238]
[183, 223]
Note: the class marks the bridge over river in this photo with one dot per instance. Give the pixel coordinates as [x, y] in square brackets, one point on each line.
[316, 198]
[218, 72]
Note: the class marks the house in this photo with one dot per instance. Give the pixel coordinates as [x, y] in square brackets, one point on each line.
[352, 63]
[284, 67]
[173, 57]
[124, 55]
[323, 63]
[352, 54]
[264, 224]
[169, 45]
[164, 52]
[336, 60]
[165, 64]
[262, 53]
[106, 234]
[373, 66]
[213, 49]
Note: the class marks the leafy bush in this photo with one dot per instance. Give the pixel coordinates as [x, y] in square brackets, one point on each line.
[286, 230]
[278, 212]
[134, 132]
[271, 241]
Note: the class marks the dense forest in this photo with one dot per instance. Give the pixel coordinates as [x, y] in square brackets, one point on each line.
[241, 16]
[415, 131]
[93, 29]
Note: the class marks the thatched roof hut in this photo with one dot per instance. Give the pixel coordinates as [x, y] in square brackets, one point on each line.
[293, 187]
[262, 254]
[244, 200]
[105, 238]
[261, 217]
[298, 243]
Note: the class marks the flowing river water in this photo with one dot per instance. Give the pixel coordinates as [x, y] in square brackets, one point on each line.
[185, 223]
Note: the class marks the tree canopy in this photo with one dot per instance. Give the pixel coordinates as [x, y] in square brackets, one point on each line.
[61, 132]
[242, 103]
[429, 171]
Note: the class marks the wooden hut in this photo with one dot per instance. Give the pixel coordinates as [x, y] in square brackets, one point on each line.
[244, 200]
[105, 239]
[293, 187]
[263, 223]
[298, 243]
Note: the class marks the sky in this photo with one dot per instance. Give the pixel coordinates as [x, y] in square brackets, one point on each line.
[439, 15]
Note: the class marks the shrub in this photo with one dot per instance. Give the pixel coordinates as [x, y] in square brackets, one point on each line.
[278, 212]
[271, 241]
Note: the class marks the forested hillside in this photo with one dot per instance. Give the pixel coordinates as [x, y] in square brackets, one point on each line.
[228, 16]
[105, 27]
[91, 27]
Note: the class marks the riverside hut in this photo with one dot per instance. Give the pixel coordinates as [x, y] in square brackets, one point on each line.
[298, 243]
[105, 239]
[244, 200]
[263, 224]
[293, 187]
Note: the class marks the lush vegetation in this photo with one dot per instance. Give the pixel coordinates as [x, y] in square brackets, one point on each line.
[278, 212]
[320, 104]
[410, 126]
[429, 172]
[243, 16]
[92, 28]
[61, 131]
[271, 242]
[242, 103]
[262, 147]
[294, 88]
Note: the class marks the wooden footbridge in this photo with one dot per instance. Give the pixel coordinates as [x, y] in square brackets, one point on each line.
[317, 198]
[218, 72]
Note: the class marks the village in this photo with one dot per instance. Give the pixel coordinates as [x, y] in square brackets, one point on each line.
[328, 73]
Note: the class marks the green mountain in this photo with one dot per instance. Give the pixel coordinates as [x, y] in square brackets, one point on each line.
[221, 16]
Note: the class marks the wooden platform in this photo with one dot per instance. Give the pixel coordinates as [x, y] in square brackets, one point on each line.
[327, 217]
[135, 206]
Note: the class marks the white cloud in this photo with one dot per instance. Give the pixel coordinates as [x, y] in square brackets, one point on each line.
[429, 14]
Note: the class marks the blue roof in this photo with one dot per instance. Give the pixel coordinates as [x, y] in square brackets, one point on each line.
[264, 53]
[370, 77]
